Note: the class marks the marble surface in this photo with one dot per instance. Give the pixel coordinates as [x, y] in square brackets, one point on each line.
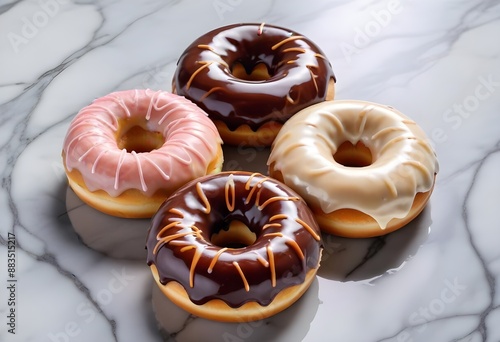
[436, 61]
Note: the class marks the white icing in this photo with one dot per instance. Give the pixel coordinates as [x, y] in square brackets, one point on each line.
[403, 165]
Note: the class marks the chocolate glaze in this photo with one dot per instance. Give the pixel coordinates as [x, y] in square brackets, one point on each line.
[300, 74]
[202, 208]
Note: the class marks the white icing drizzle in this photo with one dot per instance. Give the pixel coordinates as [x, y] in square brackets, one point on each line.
[141, 173]
[91, 143]
[82, 157]
[118, 167]
[403, 164]
[164, 175]
[99, 156]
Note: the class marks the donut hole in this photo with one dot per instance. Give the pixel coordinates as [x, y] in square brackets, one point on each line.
[139, 140]
[251, 71]
[237, 235]
[353, 155]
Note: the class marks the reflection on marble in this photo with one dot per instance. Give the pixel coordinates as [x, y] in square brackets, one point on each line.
[113, 236]
[436, 61]
[290, 325]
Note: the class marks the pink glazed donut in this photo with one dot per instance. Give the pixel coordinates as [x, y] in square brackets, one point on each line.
[128, 151]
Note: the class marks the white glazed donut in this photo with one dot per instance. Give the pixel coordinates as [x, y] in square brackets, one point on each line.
[365, 169]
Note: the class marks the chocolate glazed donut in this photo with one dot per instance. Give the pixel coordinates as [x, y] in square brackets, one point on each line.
[253, 76]
[275, 245]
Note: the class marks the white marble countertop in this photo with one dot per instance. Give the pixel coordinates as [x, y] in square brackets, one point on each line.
[436, 61]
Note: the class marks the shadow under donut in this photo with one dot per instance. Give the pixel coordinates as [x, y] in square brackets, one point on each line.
[292, 324]
[113, 236]
[347, 259]
[244, 157]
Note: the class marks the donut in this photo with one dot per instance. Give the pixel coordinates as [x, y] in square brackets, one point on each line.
[235, 246]
[125, 153]
[250, 78]
[363, 168]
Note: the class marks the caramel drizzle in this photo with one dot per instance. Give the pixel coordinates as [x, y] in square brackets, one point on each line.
[256, 186]
[250, 178]
[275, 199]
[211, 49]
[278, 217]
[180, 243]
[176, 211]
[290, 242]
[204, 64]
[313, 76]
[285, 217]
[208, 93]
[207, 47]
[196, 258]
[272, 266]
[230, 198]
[274, 218]
[215, 258]
[229, 188]
[187, 248]
[289, 99]
[165, 240]
[269, 225]
[242, 275]
[167, 227]
[308, 228]
[318, 55]
[263, 261]
[284, 41]
[295, 49]
[257, 198]
[203, 198]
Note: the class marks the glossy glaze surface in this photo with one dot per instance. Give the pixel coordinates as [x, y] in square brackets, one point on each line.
[436, 61]
[403, 160]
[299, 74]
[287, 244]
[188, 141]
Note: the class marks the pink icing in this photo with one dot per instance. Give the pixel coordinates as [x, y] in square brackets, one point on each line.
[191, 142]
